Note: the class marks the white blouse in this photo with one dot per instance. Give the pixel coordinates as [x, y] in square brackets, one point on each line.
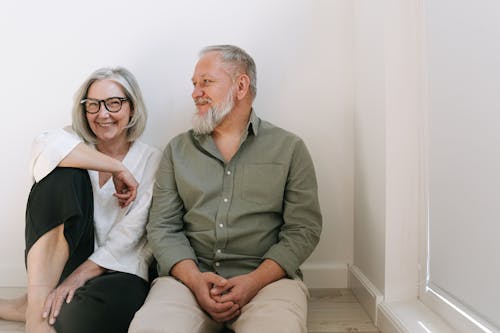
[120, 233]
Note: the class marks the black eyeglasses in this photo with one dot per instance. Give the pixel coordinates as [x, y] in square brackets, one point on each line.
[112, 104]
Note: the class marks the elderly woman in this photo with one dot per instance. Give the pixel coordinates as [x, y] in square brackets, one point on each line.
[86, 253]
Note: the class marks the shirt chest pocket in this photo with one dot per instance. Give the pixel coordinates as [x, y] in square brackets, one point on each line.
[263, 183]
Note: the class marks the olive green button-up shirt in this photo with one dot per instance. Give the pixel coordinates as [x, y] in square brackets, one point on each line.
[230, 216]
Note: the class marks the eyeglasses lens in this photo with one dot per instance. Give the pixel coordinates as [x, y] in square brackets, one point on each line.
[113, 104]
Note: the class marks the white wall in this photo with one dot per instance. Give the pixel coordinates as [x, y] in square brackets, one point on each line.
[388, 122]
[463, 159]
[391, 190]
[304, 56]
[369, 138]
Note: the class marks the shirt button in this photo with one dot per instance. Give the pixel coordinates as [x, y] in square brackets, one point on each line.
[228, 172]
[219, 250]
[226, 199]
[217, 264]
[221, 225]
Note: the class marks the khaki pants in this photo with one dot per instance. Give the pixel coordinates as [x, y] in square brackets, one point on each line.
[171, 308]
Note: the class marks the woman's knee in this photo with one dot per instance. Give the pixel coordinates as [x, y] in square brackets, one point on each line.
[62, 190]
[104, 304]
[64, 197]
[63, 182]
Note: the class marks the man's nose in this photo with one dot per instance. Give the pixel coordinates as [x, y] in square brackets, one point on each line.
[197, 92]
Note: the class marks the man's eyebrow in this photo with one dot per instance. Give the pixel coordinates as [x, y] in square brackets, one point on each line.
[204, 76]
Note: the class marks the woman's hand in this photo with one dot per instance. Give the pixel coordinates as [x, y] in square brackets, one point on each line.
[125, 186]
[84, 157]
[63, 293]
[66, 290]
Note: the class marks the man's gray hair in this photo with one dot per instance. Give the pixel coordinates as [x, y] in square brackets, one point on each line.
[237, 62]
[132, 91]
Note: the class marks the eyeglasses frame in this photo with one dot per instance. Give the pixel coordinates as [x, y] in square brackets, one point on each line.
[121, 99]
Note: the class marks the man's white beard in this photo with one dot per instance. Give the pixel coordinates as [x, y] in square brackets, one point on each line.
[205, 123]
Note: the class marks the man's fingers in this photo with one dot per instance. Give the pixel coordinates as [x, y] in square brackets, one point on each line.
[224, 298]
[227, 315]
[217, 281]
[223, 307]
[221, 290]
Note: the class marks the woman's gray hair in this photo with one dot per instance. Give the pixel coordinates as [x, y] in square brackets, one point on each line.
[127, 81]
[237, 62]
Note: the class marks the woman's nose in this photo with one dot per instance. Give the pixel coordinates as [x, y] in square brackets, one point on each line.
[102, 109]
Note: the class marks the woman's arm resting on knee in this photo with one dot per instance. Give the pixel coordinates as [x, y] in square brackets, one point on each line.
[62, 147]
[84, 157]
[66, 290]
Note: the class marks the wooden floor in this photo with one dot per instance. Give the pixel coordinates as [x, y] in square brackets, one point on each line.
[337, 311]
[330, 311]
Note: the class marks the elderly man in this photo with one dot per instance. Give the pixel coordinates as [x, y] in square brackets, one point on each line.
[235, 212]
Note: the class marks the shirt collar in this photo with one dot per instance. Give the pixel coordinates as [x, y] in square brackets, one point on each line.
[253, 123]
[207, 144]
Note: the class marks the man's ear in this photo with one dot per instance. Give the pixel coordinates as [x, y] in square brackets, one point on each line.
[242, 86]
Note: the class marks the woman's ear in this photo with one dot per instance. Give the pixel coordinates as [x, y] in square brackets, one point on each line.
[132, 111]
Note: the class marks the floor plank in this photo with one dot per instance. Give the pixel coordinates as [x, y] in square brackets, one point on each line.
[330, 311]
[337, 311]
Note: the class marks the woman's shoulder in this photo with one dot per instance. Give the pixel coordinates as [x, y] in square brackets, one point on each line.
[146, 151]
[61, 132]
[142, 146]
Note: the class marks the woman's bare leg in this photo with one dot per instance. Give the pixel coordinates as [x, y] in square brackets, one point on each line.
[45, 261]
[14, 309]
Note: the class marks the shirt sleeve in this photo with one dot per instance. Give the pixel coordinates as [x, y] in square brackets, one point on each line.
[49, 149]
[302, 221]
[126, 238]
[165, 226]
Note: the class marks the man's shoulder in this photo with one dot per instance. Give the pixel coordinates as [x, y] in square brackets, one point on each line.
[181, 142]
[181, 138]
[269, 129]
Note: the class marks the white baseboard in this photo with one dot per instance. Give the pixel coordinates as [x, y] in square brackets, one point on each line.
[367, 294]
[411, 317]
[388, 322]
[325, 275]
[396, 317]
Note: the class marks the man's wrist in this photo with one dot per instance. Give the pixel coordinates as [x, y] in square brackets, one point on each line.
[187, 272]
[268, 272]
